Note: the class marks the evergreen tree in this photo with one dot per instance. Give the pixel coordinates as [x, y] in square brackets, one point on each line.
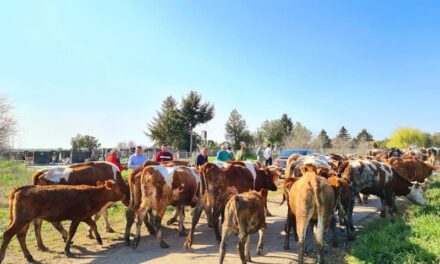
[287, 123]
[326, 142]
[364, 136]
[343, 134]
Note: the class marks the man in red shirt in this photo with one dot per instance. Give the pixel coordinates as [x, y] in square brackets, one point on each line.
[113, 157]
[164, 155]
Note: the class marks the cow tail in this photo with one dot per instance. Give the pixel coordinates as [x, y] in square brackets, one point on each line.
[36, 177]
[11, 204]
[203, 183]
[315, 185]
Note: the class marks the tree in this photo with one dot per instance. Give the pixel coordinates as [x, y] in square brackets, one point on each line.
[84, 142]
[273, 131]
[343, 134]
[299, 138]
[287, 123]
[236, 129]
[436, 139]
[325, 140]
[405, 136]
[174, 125]
[8, 123]
[364, 136]
[194, 112]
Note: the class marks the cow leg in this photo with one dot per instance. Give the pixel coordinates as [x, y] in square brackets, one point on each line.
[93, 226]
[383, 209]
[21, 236]
[37, 229]
[215, 223]
[140, 218]
[108, 228]
[242, 238]
[197, 211]
[159, 235]
[226, 232]
[261, 234]
[72, 231]
[129, 217]
[173, 218]
[333, 228]
[9, 233]
[344, 211]
[59, 227]
[288, 227]
[358, 197]
[264, 194]
[302, 231]
[319, 238]
[181, 218]
[247, 252]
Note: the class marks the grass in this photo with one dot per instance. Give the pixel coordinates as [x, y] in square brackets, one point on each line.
[413, 238]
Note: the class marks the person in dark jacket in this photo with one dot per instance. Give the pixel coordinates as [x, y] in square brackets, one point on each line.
[164, 154]
[202, 158]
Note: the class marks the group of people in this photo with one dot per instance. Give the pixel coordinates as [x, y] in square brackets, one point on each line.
[264, 155]
[138, 158]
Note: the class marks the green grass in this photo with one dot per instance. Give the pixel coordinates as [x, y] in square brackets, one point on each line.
[413, 238]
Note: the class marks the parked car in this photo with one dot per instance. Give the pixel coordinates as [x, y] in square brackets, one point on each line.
[281, 160]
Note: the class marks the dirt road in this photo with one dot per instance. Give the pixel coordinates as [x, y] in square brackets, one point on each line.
[205, 248]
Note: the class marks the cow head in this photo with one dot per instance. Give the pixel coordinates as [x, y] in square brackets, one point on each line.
[416, 193]
[268, 176]
[394, 152]
[110, 185]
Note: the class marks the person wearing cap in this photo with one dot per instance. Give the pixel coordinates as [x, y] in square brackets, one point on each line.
[137, 159]
[164, 154]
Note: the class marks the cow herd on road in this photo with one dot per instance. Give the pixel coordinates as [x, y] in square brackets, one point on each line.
[320, 190]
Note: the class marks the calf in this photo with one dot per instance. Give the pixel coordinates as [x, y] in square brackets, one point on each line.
[244, 214]
[312, 197]
[56, 203]
[215, 181]
[80, 174]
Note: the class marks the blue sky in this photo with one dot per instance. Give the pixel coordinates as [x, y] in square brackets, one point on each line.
[104, 67]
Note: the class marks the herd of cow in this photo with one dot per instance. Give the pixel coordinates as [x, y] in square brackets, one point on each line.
[319, 189]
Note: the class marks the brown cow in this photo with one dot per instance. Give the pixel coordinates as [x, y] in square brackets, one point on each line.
[343, 201]
[244, 215]
[214, 182]
[412, 168]
[80, 174]
[56, 203]
[312, 197]
[264, 176]
[151, 193]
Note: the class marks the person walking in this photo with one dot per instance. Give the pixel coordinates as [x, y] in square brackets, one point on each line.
[268, 155]
[231, 153]
[113, 157]
[137, 159]
[202, 158]
[164, 154]
[242, 154]
[223, 154]
[260, 154]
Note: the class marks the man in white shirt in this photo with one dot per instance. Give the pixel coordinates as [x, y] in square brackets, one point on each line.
[137, 159]
[268, 155]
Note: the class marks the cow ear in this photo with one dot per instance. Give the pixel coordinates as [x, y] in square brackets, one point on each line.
[108, 184]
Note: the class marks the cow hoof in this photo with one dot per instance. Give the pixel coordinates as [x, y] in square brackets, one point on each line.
[182, 233]
[43, 248]
[187, 245]
[382, 214]
[268, 214]
[70, 255]
[248, 258]
[99, 241]
[109, 230]
[286, 247]
[260, 251]
[164, 245]
[90, 236]
[30, 259]
[127, 242]
[135, 242]
[171, 221]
